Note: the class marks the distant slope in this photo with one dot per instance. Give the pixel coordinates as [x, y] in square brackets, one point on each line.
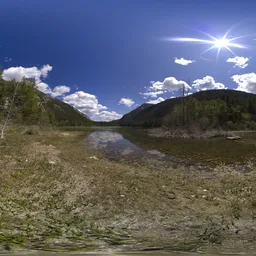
[150, 114]
[131, 116]
[235, 104]
[31, 106]
[63, 113]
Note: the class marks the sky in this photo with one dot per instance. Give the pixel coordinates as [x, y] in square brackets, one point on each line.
[107, 57]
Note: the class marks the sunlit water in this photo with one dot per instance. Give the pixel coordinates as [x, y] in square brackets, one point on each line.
[135, 145]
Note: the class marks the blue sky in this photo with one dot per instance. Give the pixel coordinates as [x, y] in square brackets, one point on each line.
[109, 49]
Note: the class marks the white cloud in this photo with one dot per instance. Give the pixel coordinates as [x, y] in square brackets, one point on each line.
[107, 116]
[183, 61]
[45, 70]
[43, 87]
[170, 84]
[60, 90]
[160, 99]
[240, 62]
[207, 83]
[246, 82]
[85, 102]
[152, 94]
[127, 102]
[17, 73]
[89, 105]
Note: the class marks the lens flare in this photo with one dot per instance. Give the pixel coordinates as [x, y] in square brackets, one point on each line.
[219, 43]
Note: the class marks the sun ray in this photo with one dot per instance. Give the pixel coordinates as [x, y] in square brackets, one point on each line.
[237, 45]
[230, 50]
[229, 30]
[206, 34]
[207, 50]
[217, 43]
[189, 39]
[204, 58]
[239, 37]
[217, 57]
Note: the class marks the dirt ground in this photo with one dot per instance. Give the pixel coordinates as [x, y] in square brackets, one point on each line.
[57, 194]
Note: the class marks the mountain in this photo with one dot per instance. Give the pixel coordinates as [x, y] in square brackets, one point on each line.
[63, 113]
[31, 106]
[205, 109]
[131, 116]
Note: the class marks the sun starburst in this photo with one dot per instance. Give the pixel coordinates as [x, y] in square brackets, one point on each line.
[217, 43]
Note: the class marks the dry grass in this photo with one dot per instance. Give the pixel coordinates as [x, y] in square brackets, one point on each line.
[54, 196]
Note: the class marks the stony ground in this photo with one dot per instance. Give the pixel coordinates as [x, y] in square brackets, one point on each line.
[57, 194]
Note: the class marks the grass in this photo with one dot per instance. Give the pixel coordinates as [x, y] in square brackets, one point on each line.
[54, 196]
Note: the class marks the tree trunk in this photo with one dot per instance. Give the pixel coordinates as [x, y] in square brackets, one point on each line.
[9, 111]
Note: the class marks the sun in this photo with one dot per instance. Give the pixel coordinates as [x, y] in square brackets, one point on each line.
[224, 43]
[221, 43]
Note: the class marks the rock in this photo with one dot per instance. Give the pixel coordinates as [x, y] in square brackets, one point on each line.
[171, 196]
[94, 157]
[52, 162]
[234, 138]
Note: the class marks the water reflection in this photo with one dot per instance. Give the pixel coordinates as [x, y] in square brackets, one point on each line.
[114, 145]
[100, 139]
[156, 153]
[134, 144]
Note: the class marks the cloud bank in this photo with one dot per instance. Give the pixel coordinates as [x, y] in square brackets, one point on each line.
[170, 84]
[207, 83]
[18, 73]
[245, 82]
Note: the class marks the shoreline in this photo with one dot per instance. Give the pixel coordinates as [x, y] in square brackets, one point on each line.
[163, 132]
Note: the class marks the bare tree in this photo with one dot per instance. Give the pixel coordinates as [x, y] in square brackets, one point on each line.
[9, 110]
[187, 105]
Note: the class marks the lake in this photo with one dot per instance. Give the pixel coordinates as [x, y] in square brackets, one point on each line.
[133, 144]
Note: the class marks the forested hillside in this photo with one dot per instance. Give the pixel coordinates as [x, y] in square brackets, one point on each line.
[27, 105]
[226, 109]
[126, 119]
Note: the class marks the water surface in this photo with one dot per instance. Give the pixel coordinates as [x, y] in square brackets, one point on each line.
[135, 144]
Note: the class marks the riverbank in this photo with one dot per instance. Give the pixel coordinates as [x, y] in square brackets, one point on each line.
[163, 132]
[58, 194]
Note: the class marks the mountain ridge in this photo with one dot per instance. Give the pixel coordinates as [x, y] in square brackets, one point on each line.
[236, 106]
[31, 106]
